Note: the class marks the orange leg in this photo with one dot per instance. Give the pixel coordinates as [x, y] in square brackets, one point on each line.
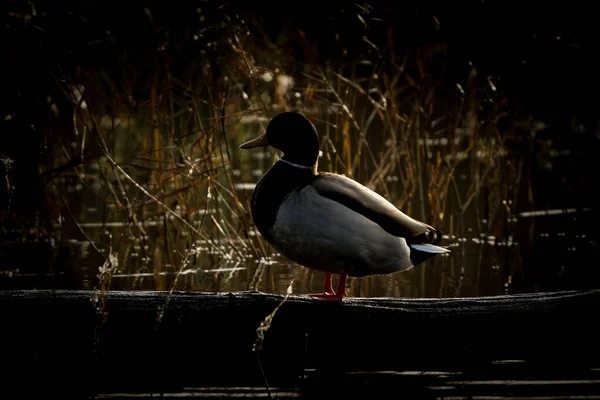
[328, 284]
[327, 287]
[328, 293]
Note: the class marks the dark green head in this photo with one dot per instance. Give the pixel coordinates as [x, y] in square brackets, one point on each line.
[294, 135]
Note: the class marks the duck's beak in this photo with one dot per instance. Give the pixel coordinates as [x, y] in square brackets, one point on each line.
[260, 141]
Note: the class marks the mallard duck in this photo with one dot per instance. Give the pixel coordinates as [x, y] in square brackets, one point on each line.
[327, 221]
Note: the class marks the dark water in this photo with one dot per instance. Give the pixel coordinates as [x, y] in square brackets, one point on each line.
[501, 379]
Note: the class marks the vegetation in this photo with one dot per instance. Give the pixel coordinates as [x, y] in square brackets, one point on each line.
[132, 125]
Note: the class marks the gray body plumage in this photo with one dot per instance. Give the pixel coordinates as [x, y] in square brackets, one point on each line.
[319, 232]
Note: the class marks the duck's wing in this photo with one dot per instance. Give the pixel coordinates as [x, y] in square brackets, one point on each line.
[363, 200]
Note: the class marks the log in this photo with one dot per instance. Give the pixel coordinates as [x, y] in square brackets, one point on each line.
[55, 342]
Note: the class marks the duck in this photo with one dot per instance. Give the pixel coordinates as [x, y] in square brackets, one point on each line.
[327, 221]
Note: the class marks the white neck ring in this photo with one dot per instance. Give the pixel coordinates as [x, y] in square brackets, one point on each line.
[295, 165]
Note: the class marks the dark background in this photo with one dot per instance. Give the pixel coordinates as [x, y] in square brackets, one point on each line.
[543, 56]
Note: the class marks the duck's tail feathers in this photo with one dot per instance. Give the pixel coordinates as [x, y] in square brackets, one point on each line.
[421, 252]
[429, 248]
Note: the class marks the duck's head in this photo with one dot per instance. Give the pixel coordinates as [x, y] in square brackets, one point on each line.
[294, 135]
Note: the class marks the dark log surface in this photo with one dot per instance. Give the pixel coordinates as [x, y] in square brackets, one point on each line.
[52, 342]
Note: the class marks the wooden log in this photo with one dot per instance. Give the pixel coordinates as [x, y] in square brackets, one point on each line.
[54, 341]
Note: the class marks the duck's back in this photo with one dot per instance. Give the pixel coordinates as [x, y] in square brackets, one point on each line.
[372, 205]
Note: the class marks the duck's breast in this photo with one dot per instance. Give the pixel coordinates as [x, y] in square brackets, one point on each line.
[320, 233]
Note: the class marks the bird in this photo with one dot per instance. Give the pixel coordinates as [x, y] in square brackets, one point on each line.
[327, 221]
